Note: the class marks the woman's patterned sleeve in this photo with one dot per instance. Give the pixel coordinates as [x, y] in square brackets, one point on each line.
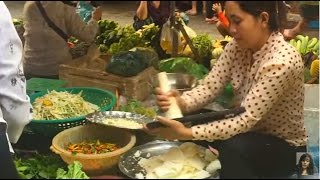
[213, 84]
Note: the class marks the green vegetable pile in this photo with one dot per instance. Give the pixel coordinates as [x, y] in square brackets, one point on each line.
[113, 38]
[183, 65]
[136, 106]
[38, 167]
[47, 167]
[203, 46]
[74, 172]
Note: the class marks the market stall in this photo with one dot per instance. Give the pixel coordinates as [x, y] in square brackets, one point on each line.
[112, 83]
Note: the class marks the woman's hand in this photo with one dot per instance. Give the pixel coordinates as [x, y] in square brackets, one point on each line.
[217, 8]
[97, 14]
[163, 99]
[174, 130]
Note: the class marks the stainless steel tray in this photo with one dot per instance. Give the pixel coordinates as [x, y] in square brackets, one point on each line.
[128, 162]
[99, 117]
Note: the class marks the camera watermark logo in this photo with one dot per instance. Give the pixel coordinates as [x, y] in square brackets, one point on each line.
[306, 167]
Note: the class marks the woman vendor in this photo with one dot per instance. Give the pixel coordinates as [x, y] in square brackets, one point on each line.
[267, 76]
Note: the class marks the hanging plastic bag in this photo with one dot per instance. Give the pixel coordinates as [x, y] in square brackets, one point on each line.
[167, 34]
[84, 9]
[166, 39]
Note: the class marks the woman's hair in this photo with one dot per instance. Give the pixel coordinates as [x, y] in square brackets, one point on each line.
[275, 9]
[310, 169]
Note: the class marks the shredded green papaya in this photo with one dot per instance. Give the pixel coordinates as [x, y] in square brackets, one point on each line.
[61, 105]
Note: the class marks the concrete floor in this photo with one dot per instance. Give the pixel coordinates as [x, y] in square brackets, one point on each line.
[123, 12]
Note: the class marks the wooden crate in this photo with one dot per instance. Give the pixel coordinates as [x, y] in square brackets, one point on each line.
[91, 73]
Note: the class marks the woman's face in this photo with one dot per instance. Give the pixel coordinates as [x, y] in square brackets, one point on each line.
[248, 31]
[305, 163]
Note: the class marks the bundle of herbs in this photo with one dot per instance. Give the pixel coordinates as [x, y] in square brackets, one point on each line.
[114, 38]
[203, 45]
[47, 167]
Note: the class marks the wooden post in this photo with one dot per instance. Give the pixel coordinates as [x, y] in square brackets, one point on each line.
[174, 31]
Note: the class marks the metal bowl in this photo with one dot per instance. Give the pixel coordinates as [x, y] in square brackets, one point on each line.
[100, 116]
[179, 81]
[128, 162]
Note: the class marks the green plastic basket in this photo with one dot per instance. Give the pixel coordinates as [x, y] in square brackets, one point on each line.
[35, 85]
[102, 98]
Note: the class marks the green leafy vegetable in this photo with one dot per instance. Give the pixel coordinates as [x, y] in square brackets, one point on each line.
[38, 167]
[183, 65]
[203, 46]
[74, 172]
[136, 106]
[114, 38]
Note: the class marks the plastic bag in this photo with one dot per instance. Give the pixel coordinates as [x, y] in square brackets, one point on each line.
[132, 62]
[166, 39]
[84, 9]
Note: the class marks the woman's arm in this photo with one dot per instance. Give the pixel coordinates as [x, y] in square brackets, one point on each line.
[142, 11]
[222, 18]
[213, 84]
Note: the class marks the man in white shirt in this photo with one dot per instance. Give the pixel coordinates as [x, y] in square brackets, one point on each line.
[15, 107]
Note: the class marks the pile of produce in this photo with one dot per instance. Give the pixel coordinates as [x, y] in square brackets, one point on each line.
[61, 105]
[132, 62]
[183, 65]
[304, 44]
[219, 45]
[309, 50]
[207, 49]
[47, 167]
[113, 38]
[203, 46]
[95, 147]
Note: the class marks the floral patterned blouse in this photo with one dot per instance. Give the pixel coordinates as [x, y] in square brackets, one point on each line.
[269, 83]
[15, 106]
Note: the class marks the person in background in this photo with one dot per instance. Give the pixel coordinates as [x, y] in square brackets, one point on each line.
[211, 17]
[157, 12]
[45, 49]
[194, 10]
[222, 23]
[15, 107]
[309, 11]
[85, 8]
[267, 76]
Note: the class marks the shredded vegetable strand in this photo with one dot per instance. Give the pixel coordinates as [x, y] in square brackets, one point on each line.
[62, 105]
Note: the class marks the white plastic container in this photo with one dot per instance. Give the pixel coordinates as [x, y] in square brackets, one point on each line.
[311, 118]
